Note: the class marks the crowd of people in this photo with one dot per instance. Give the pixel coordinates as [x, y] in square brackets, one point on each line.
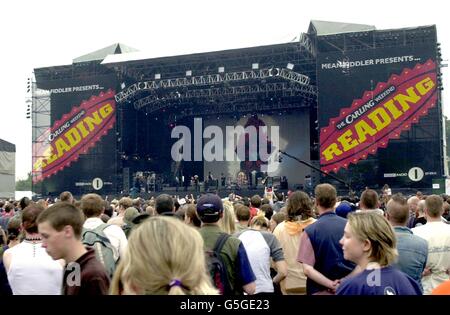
[377, 244]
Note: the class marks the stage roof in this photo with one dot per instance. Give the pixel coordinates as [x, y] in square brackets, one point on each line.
[6, 146]
[183, 51]
[322, 28]
[115, 49]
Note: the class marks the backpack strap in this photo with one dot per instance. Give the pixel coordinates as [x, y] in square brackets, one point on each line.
[101, 227]
[221, 242]
[98, 231]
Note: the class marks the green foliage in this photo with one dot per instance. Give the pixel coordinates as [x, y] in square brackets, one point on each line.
[24, 184]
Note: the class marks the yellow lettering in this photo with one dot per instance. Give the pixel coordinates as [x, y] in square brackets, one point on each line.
[346, 141]
[50, 156]
[106, 110]
[83, 130]
[61, 147]
[90, 121]
[403, 100]
[425, 86]
[362, 129]
[395, 112]
[375, 116]
[39, 164]
[330, 150]
[73, 136]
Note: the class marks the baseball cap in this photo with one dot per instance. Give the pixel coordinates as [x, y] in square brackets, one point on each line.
[344, 209]
[130, 214]
[209, 208]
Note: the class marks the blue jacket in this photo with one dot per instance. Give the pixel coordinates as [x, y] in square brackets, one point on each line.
[412, 253]
[324, 235]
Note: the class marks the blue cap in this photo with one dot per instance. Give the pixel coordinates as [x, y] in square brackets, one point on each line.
[344, 209]
[209, 208]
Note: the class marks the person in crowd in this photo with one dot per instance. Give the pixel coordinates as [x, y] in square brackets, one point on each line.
[288, 233]
[66, 196]
[180, 213]
[30, 270]
[164, 205]
[386, 193]
[228, 220]
[276, 219]
[261, 247]
[191, 216]
[420, 218]
[369, 241]
[92, 206]
[412, 204]
[412, 249]
[150, 210]
[13, 239]
[155, 261]
[446, 213]
[8, 213]
[60, 226]
[437, 234]
[266, 210]
[242, 216]
[3, 238]
[279, 201]
[255, 203]
[124, 204]
[320, 251]
[369, 201]
[239, 272]
[128, 218]
[442, 289]
[343, 209]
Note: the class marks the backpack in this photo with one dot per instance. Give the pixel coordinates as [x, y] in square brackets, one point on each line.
[127, 229]
[104, 251]
[217, 268]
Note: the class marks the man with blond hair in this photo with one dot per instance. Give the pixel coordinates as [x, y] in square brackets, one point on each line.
[437, 234]
[124, 204]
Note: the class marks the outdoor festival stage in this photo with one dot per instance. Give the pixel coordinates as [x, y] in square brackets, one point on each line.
[360, 104]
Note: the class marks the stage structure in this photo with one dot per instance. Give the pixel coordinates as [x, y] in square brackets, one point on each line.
[106, 123]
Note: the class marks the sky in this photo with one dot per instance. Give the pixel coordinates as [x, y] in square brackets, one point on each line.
[49, 33]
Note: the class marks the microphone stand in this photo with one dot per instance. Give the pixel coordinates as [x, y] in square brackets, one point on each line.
[319, 170]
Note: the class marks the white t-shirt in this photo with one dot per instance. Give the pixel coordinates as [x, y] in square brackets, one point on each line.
[437, 234]
[260, 247]
[32, 271]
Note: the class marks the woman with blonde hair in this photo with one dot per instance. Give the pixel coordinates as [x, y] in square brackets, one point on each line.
[228, 221]
[164, 256]
[369, 241]
[299, 216]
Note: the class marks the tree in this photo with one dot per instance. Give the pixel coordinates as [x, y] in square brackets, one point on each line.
[24, 184]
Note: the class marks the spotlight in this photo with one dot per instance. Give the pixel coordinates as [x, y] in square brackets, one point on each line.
[290, 66]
